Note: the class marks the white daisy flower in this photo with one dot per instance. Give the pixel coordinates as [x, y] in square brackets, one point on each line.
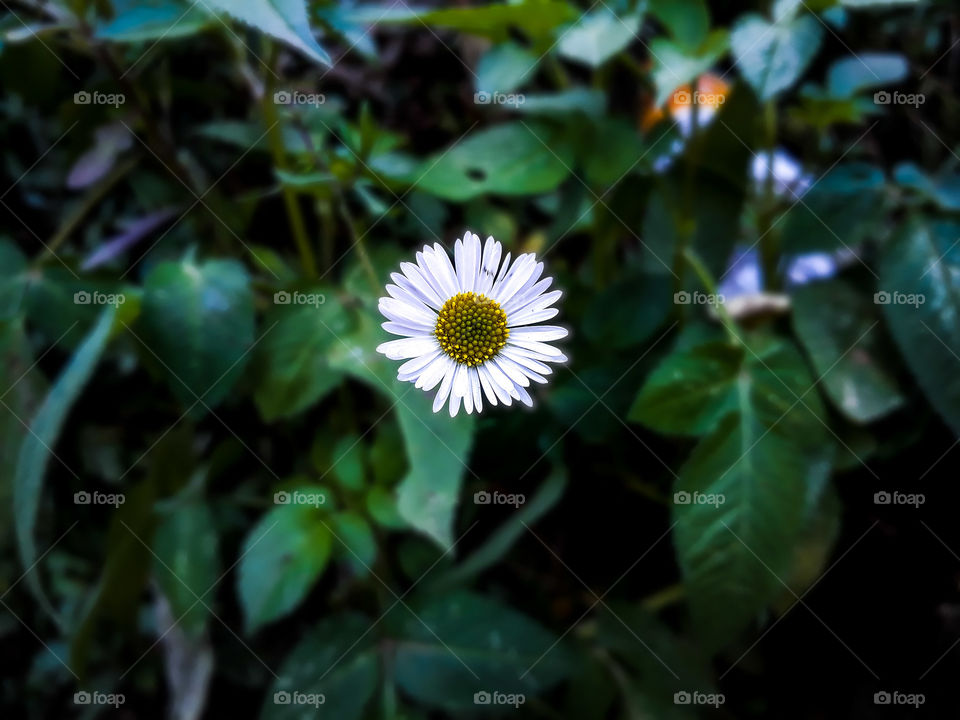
[472, 328]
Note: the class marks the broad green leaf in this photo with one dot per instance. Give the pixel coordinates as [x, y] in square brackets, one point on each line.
[743, 496]
[336, 660]
[690, 390]
[612, 319]
[534, 18]
[942, 189]
[520, 158]
[22, 387]
[38, 444]
[282, 557]
[347, 462]
[772, 56]
[187, 564]
[597, 36]
[285, 20]
[675, 65]
[839, 211]
[848, 76]
[687, 21]
[460, 644]
[609, 150]
[291, 361]
[839, 329]
[154, 20]
[354, 541]
[919, 289]
[577, 100]
[197, 324]
[437, 446]
[504, 68]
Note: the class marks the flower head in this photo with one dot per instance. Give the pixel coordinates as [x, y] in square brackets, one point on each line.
[471, 326]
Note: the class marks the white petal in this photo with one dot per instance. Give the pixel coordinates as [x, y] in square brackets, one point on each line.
[488, 268]
[528, 317]
[525, 297]
[475, 386]
[442, 262]
[550, 352]
[539, 333]
[454, 404]
[460, 264]
[487, 385]
[537, 303]
[506, 362]
[434, 373]
[510, 370]
[408, 329]
[526, 361]
[527, 286]
[444, 390]
[503, 271]
[436, 265]
[461, 385]
[419, 288]
[471, 247]
[420, 275]
[468, 397]
[523, 396]
[408, 347]
[499, 380]
[514, 279]
[403, 312]
[405, 296]
[413, 368]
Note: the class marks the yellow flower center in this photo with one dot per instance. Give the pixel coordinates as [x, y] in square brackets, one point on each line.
[471, 328]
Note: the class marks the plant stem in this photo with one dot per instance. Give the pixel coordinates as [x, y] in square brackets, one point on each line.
[275, 137]
[711, 285]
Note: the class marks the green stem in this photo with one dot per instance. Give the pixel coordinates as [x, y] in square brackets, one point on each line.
[662, 598]
[711, 286]
[275, 138]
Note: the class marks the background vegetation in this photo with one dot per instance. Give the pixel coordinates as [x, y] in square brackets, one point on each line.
[739, 496]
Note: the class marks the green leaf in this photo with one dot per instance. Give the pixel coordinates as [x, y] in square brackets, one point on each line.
[838, 328]
[688, 21]
[598, 36]
[347, 462]
[186, 562]
[139, 21]
[534, 18]
[197, 323]
[848, 76]
[579, 100]
[335, 659]
[839, 211]
[282, 557]
[291, 365]
[463, 643]
[354, 541]
[690, 390]
[512, 159]
[285, 20]
[675, 65]
[37, 447]
[504, 68]
[612, 319]
[742, 498]
[920, 293]
[773, 56]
